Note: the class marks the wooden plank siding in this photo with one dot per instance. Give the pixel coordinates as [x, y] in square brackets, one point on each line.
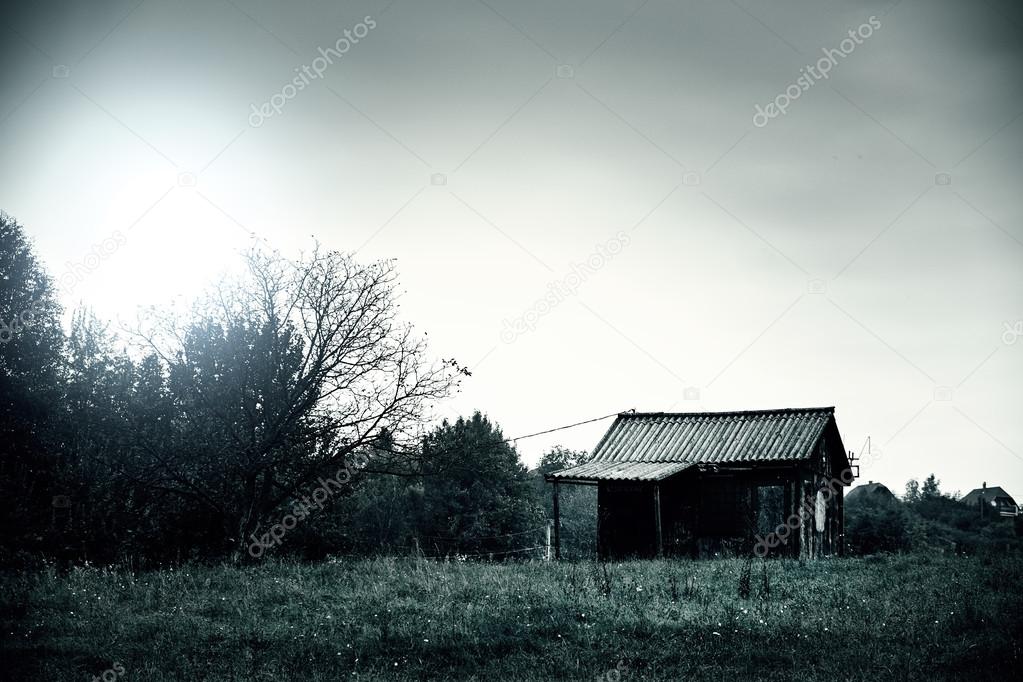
[711, 484]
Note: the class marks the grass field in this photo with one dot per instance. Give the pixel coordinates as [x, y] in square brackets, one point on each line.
[906, 617]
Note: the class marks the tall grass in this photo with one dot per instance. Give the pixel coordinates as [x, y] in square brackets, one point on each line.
[909, 616]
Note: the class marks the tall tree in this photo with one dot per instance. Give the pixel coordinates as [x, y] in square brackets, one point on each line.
[912, 494]
[280, 376]
[477, 494]
[31, 341]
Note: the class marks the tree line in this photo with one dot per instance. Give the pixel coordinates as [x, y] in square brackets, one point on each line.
[187, 434]
[926, 519]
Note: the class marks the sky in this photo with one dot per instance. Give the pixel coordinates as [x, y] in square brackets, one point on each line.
[596, 206]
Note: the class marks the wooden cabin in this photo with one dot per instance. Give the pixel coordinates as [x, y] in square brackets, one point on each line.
[715, 483]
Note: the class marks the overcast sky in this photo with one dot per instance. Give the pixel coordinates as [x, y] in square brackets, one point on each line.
[861, 249]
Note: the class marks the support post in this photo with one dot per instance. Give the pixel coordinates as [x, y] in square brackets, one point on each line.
[557, 524]
[657, 519]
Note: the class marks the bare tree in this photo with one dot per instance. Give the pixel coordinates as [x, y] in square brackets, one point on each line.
[278, 377]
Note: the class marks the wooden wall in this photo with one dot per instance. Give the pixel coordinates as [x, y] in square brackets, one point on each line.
[720, 512]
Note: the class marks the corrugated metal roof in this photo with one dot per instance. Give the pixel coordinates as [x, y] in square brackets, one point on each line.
[651, 446]
[621, 471]
[713, 437]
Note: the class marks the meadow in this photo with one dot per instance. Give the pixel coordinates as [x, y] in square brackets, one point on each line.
[903, 616]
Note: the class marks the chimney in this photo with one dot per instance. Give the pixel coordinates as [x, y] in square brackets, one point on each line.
[870, 482]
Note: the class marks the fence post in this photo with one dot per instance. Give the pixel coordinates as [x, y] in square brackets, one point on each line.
[557, 524]
[548, 552]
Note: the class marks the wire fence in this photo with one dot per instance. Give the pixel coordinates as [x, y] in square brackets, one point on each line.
[460, 548]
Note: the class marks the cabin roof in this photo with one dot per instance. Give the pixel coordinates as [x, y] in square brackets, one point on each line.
[649, 446]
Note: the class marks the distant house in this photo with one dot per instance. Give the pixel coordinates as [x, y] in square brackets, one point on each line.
[695, 484]
[993, 498]
[870, 493]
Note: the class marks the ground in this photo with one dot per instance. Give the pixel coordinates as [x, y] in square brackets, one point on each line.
[907, 617]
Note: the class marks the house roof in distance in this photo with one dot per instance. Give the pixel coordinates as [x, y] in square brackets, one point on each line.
[990, 494]
[693, 438]
[870, 490]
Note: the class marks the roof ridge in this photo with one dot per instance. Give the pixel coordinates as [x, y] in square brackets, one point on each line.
[730, 413]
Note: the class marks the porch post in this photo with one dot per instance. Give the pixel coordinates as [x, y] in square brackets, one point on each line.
[657, 518]
[557, 524]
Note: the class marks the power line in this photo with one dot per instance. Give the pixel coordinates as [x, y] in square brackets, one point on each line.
[461, 446]
[562, 428]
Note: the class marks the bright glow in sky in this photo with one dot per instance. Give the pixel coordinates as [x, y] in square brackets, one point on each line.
[861, 250]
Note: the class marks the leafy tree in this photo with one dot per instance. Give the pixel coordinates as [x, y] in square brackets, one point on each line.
[873, 528]
[477, 495]
[912, 495]
[930, 488]
[876, 523]
[31, 340]
[577, 504]
[380, 515]
[279, 377]
[117, 412]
